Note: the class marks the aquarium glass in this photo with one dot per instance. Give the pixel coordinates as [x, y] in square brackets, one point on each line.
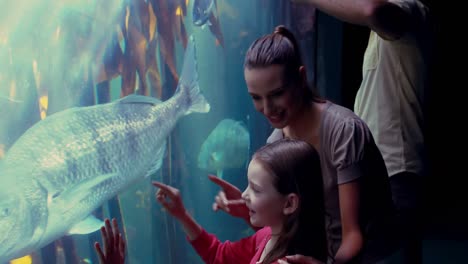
[66, 67]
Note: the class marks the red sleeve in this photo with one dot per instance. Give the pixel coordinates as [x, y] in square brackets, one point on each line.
[213, 251]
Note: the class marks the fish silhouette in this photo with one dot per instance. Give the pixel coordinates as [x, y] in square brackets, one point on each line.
[227, 146]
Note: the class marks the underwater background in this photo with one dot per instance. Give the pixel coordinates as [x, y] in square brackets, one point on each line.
[56, 55]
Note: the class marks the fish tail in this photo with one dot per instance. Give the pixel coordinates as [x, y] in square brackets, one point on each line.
[188, 83]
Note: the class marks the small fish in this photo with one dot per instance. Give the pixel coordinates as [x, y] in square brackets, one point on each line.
[68, 164]
[202, 10]
[227, 146]
[204, 14]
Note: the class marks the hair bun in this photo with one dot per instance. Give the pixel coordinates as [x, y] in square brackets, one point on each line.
[280, 30]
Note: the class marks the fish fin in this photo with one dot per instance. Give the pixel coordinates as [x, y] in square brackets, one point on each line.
[219, 173]
[188, 82]
[158, 163]
[89, 225]
[139, 99]
[69, 198]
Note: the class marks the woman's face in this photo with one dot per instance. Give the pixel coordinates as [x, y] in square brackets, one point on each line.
[272, 96]
[265, 203]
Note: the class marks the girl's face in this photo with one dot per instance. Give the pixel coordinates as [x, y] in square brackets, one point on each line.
[265, 203]
[280, 102]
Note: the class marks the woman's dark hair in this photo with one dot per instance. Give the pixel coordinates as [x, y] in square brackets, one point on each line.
[295, 167]
[279, 48]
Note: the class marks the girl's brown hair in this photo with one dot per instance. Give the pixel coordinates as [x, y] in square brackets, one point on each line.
[295, 167]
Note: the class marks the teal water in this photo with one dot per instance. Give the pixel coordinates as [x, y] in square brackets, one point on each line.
[60, 54]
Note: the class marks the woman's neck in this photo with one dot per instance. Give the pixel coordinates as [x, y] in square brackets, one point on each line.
[306, 126]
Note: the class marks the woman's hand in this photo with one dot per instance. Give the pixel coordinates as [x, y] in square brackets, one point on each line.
[299, 259]
[114, 244]
[229, 199]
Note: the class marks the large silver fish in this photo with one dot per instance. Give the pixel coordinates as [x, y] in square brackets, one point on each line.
[227, 146]
[70, 163]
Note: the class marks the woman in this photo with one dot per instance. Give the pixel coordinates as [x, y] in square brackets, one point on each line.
[358, 202]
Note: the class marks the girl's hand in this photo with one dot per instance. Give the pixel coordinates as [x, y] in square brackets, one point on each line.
[114, 244]
[169, 197]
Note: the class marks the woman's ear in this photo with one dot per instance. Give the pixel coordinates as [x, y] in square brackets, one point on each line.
[303, 73]
[302, 70]
[292, 204]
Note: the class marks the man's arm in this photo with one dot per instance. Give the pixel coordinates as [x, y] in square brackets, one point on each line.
[382, 16]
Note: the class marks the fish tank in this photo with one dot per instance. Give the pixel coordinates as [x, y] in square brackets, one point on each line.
[81, 80]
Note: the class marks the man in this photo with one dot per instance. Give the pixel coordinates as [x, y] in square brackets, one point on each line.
[391, 96]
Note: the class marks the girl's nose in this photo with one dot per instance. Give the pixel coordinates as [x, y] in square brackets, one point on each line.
[244, 194]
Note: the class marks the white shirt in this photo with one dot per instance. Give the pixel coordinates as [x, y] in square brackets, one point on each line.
[390, 99]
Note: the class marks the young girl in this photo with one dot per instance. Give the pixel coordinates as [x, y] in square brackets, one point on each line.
[284, 197]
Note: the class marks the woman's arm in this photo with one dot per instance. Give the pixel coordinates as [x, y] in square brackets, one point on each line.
[229, 200]
[352, 238]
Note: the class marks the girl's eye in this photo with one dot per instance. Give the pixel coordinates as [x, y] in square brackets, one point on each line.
[252, 188]
[255, 190]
